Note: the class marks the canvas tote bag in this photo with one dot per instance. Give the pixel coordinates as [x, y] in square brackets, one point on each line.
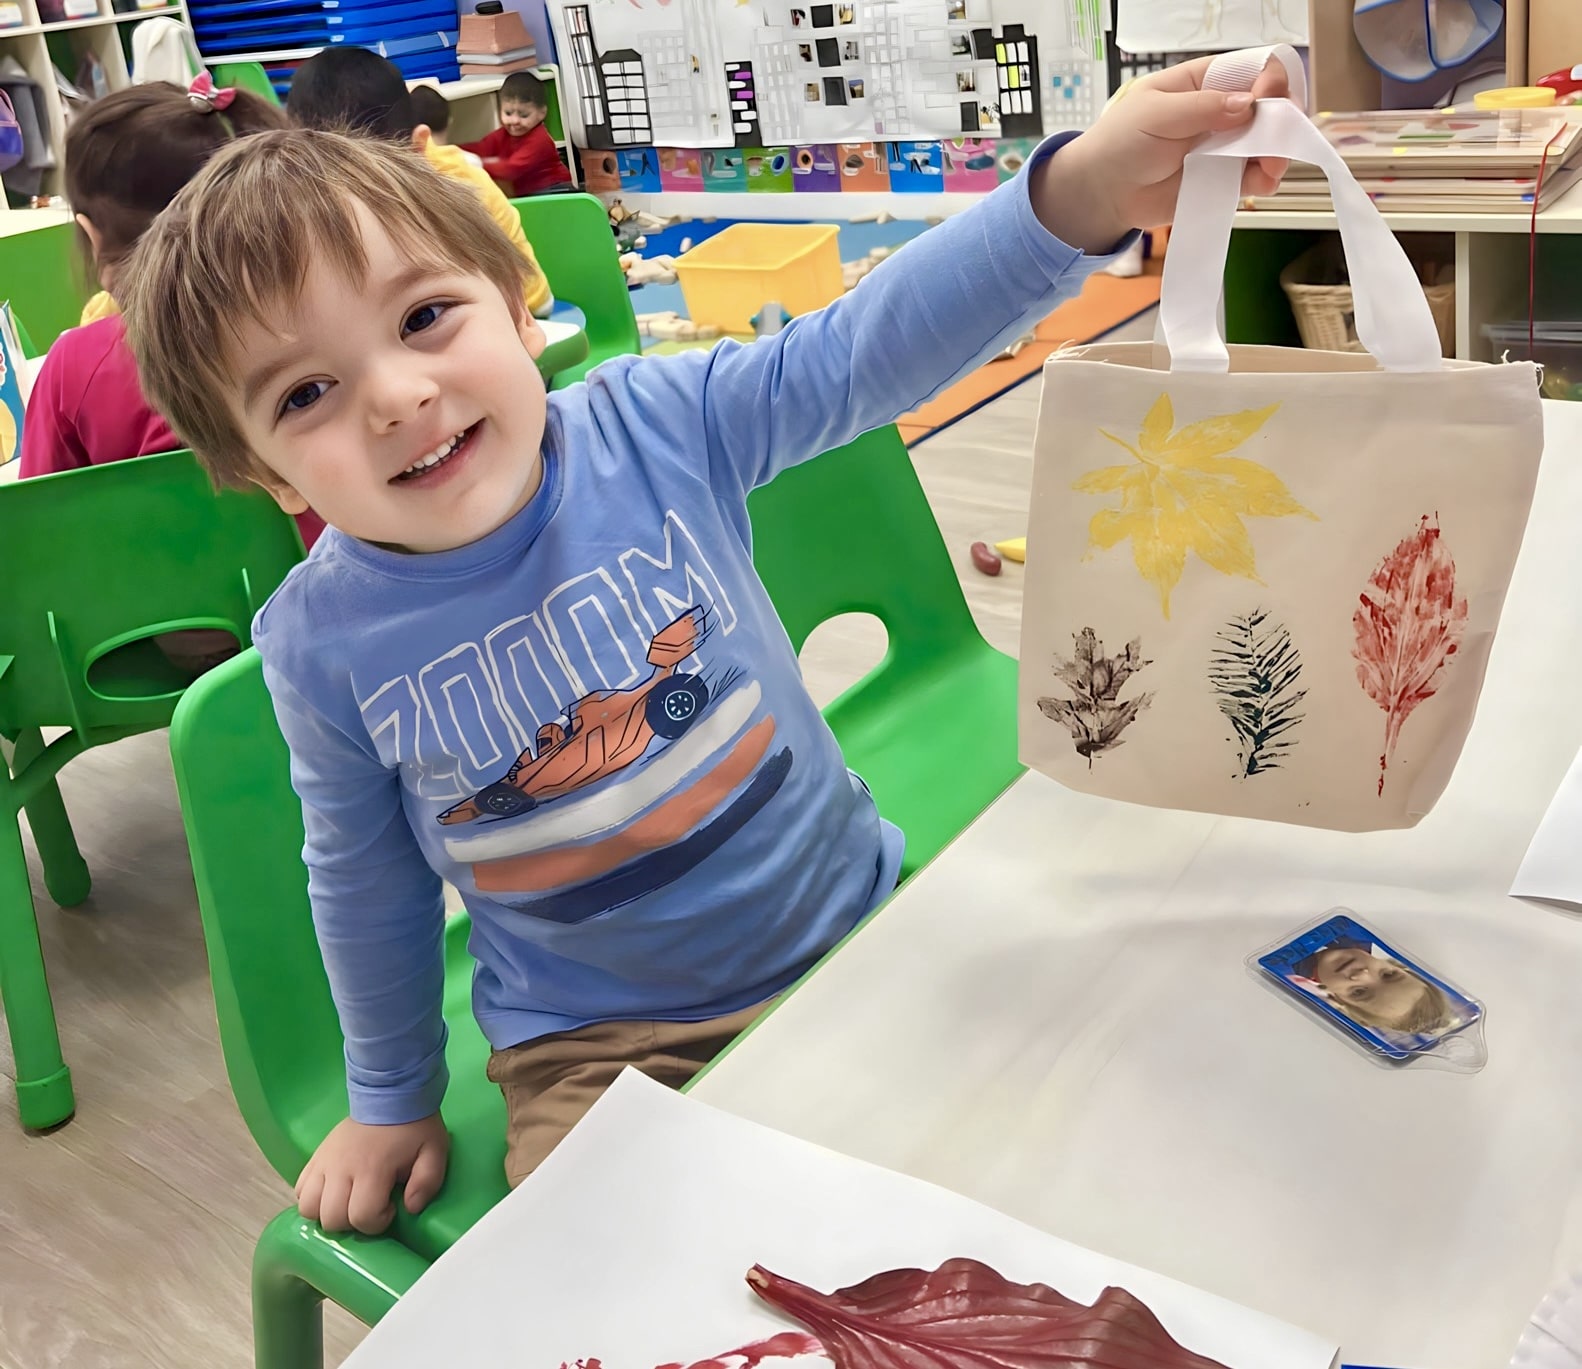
[1265, 581]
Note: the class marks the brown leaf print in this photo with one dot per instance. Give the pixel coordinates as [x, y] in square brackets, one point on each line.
[1096, 715]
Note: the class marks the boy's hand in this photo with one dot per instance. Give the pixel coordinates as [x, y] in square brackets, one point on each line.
[348, 1182]
[1125, 171]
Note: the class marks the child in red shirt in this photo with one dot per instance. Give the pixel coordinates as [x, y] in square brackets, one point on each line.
[520, 154]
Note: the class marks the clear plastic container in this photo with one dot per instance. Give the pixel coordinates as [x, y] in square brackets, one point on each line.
[1556, 346]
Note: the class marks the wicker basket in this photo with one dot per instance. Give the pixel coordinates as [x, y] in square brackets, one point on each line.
[1320, 296]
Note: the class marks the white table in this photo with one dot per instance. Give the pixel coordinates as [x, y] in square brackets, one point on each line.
[1055, 1018]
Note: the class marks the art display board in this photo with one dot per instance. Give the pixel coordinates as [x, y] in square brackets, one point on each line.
[767, 73]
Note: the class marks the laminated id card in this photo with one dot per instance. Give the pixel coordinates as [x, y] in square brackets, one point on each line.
[1382, 998]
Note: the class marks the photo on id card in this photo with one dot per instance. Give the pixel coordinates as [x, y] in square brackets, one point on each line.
[1390, 1002]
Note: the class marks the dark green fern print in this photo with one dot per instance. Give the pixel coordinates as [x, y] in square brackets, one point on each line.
[1254, 673]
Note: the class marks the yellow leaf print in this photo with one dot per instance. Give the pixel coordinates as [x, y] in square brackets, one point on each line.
[1183, 493]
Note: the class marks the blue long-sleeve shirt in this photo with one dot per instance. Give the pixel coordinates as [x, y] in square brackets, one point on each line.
[590, 720]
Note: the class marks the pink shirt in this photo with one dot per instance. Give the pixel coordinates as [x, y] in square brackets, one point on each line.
[87, 408]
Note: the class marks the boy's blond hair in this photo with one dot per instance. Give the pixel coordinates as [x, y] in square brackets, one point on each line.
[234, 247]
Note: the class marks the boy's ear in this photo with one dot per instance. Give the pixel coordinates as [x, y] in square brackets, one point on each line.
[284, 495]
[422, 135]
[531, 334]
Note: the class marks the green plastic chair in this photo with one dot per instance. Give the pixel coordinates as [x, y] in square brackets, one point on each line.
[99, 560]
[249, 76]
[42, 276]
[932, 729]
[29, 347]
[571, 238]
[278, 1029]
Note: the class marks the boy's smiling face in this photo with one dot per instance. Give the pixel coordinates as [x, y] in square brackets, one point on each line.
[518, 117]
[404, 409]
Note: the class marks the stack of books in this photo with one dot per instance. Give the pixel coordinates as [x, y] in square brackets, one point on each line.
[1445, 160]
[494, 44]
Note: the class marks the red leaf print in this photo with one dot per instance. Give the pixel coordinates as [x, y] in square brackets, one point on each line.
[964, 1315]
[1408, 625]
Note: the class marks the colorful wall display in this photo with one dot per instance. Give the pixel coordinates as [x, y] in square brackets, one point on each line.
[916, 168]
[680, 168]
[816, 168]
[959, 165]
[768, 170]
[970, 164]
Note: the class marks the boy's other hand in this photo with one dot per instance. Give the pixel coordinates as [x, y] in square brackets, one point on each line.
[1125, 171]
[348, 1182]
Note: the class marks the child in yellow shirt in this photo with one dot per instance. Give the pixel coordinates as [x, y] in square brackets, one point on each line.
[350, 88]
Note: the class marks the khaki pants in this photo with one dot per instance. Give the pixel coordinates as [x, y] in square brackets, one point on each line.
[550, 1082]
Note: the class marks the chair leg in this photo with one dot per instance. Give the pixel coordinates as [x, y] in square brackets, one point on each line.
[65, 871]
[43, 1083]
[297, 1266]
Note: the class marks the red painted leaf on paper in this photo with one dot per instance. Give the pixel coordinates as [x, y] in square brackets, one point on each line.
[1408, 625]
[964, 1315]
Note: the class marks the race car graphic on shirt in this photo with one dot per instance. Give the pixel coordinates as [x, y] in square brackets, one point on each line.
[604, 731]
[633, 788]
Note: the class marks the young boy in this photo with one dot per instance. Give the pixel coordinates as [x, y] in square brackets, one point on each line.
[432, 109]
[531, 654]
[356, 90]
[520, 154]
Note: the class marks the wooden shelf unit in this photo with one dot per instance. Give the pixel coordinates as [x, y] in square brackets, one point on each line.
[38, 45]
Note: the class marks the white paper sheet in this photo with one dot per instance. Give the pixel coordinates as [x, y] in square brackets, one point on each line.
[1552, 867]
[630, 1245]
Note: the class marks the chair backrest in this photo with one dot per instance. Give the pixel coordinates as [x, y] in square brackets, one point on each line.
[852, 532]
[552, 119]
[99, 560]
[41, 275]
[249, 76]
[30, 349]
[572, 240]
[278, 1028]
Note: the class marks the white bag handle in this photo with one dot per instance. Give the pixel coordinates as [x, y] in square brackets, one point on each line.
[1393, 318]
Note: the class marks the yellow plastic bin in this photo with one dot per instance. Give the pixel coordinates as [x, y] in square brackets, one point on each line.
[728, 278]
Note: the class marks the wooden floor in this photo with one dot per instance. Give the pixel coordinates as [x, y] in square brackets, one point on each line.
[126, 1235]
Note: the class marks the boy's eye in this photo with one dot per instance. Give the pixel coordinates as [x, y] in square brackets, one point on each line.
[304, 396]
[425, 316]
